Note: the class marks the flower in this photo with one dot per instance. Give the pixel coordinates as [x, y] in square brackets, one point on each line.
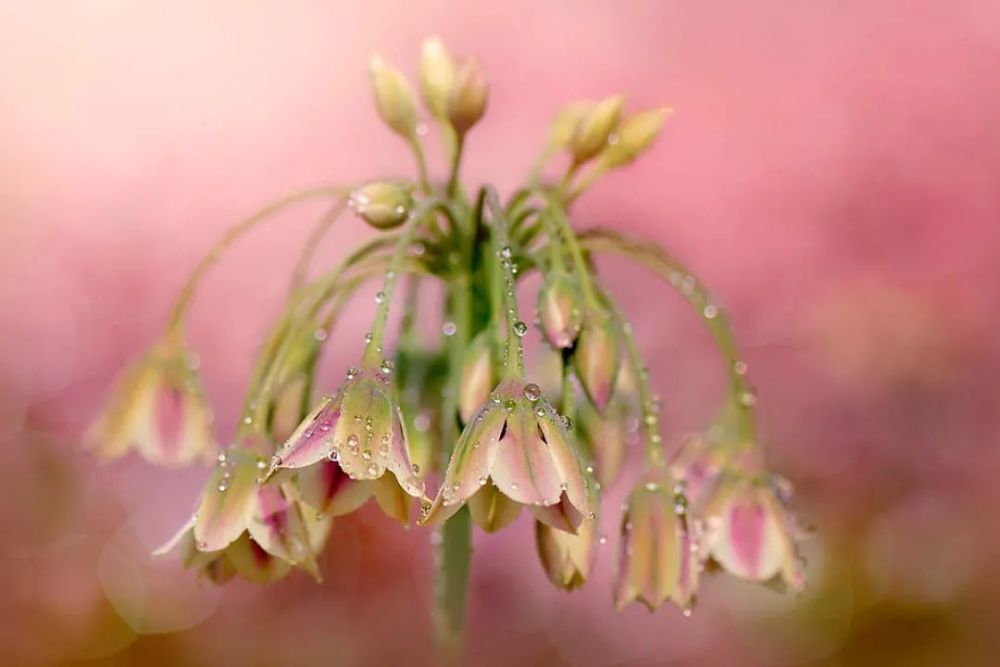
[750, 532]
[559, 309]
[594, 128]
[467, 97]
[360, 432]
[597, 357]
[635, 136]
[657, 554]
[698, 466]
[158, 408]
[241, 526]
[437, 73]
[394, 98]
[604, 437]
[519, 443]
[567, 558]
[382, 204]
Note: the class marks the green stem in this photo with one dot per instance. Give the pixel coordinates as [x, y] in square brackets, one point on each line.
[418, 154]
[373, 349]
[678, 276]
[190, 286]
[456, 162]
[312, 244]
[453, 561]
[568, 236]
[650, 418]
[514, 347]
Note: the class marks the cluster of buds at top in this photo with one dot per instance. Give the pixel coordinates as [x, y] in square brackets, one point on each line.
[490, 441]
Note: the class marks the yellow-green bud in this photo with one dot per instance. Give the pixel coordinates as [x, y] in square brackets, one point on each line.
[393, 98]
[467, 99]
[437, 74]
[635, 136]
[595, 127]
[565, 122]
[383, 205]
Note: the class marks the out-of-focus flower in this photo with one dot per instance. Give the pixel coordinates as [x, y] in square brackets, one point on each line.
[360, 431]
[597, 357]
[750, 532]
[382, 204]
[634, 137]
[657, 554]
[477, 375]
[468, 96]
[242, 526]
[594, 128]
[157, 408]
[394, 99]
[605, 436]
[559, 309]
[437, 73]
[567, 558]
[698, 466]
[565, 123]
[519, 443]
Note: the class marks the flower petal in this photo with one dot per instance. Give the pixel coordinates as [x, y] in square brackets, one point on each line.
[328, 490]
[523, 467]
[228, 501]
[255, 564]
[392, 499]
[397, 459]
[566, 459]
[492, 510]
[363, 436]
[312, 441]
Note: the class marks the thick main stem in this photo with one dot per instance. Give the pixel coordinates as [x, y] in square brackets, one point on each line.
[453, 561]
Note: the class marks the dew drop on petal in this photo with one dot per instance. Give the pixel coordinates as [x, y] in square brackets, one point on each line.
[532, 392]
[449, 328]
[520, 328]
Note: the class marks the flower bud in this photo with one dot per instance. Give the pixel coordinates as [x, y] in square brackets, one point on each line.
[635, 136]
[382, 204]
[595, 127]
[596, 358]
[394, 99]
[564, 124]
[559, 309]
[477, 376]
[467, 99]
[605, 436]
[437, 74]
[566, 558]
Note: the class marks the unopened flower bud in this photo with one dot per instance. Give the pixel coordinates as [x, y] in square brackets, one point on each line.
[567, 558]
[559, 309]
[597, 357]
[383, 205]
[564, 124]
[437, 74]
[477, 376]
[467, 99]
[635, 136]
[595, 127]
[394, 99]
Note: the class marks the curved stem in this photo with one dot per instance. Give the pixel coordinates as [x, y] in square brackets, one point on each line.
[229, 236]
[650, 420]
[456, 162]
[514, 347]
[678, 276]
[312, 243]
[569, 238]
[373, 349]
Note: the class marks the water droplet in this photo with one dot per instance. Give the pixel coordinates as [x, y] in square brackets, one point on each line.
[532, 392]
[482, 481]
[388, 367]
[421, 129]
[222, 487]
[202, 544]
[603, 539]
[613, 138]
[379, 297]
[748, 398]
[222, 457]
[710, 311]
[513, 486]
[449, 328]
[333, 456]
[567, 422]
[352, 440]
[520, 328]
[261, 464]
[352, 372]
[415, 468]
[248, 420]
[652, 486]
[372, 469]
[740, 368]
[367, 455]
[368, 337]
[590, 470]
[320, 335]
[506, 252]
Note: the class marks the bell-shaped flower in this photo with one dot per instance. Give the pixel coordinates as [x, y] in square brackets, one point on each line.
[518, 444]
[157, 408]
[698, 466]
[605, 436]
[243, 526]
[657, 552]
[750, 532]
[567, 558]
[559, 310]
[352, 439]
[597, 356]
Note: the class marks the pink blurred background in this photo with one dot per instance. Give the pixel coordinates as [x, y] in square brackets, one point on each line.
[831, 171]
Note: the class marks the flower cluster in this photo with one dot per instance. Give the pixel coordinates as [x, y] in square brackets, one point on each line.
[462, 413]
